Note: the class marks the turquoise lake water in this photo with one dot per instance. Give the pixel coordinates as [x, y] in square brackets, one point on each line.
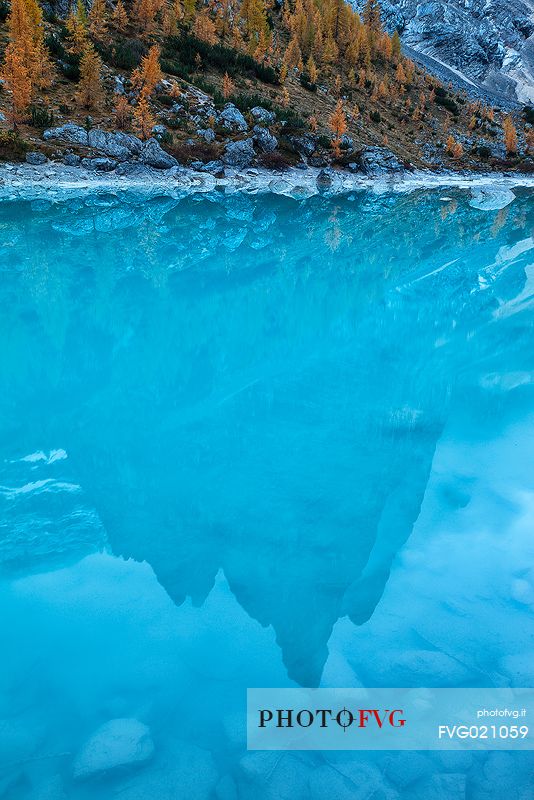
[248, 441]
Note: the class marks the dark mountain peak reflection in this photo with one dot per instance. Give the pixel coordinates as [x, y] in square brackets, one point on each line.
[258, 385]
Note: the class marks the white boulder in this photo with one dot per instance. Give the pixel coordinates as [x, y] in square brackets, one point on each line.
[116, 744]
[491, 198]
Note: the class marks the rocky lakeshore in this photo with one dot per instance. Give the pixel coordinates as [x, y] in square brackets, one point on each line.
[55, 180]
[117, 161]
[74, 158]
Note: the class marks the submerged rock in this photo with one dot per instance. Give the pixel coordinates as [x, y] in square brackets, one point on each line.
[491, 198]
[329, 180]
[184, 771]
[117, 744]
[379, 161]
[154, 156]
[239, 154]
[441, 786]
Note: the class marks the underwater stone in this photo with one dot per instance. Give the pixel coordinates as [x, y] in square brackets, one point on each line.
[491, 198]
[116, 744]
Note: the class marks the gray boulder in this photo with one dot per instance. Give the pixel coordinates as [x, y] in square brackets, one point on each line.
[71, 160]
[214, 167]
[159, 130]
[262, 116]
[68, 133]
[207, 134]
[232, 119]
[317, 161]
[118, 85]
[154, 156]
[107, 143]
[378, 162]
[239, 154]
[304, 145]
[347, 143]
[265, 139]
[99, 164]
[130, 142]
[36, 158]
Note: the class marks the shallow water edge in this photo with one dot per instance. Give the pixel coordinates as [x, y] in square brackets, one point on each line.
[51, 180]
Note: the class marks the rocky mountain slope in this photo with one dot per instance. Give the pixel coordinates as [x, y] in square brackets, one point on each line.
[309, 85]
[488, 44]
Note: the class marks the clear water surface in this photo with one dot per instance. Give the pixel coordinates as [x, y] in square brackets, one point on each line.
[249, 441]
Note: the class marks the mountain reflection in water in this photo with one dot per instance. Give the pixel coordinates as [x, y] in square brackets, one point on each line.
[252, 385]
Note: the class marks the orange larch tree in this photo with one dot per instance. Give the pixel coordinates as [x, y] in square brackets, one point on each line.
[90, 91]
[98, 24]
[148, 74]
[510, 136]
[119, 17]
[144, 121]
[338, 126]
[17, 79]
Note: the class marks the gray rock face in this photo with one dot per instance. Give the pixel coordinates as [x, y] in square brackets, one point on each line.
[265, 139]
[239, 154]
[490, 42]
[36, 158]
[118, 85]
[71, 160]
[232, 119]
[379, 162]
[154, 156]
[68, 133]
[207, 134]
[106, 143]
[304, 145]
[262, 116]
[130, 142]
[119, 146]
